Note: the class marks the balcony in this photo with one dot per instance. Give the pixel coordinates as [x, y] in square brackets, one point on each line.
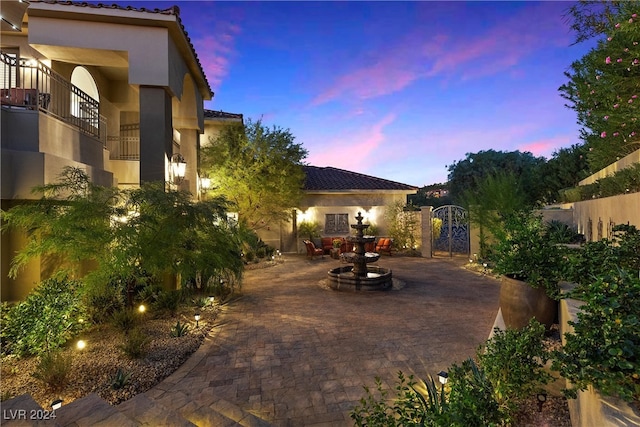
[29, 84]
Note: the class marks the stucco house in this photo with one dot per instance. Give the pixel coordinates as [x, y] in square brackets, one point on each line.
[333, 197]
[116, 91]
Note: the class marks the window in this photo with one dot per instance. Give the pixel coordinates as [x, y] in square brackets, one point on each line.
[336, 224]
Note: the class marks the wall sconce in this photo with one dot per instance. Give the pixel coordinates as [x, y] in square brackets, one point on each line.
[205, 183]
[197, 316]
[177, 168]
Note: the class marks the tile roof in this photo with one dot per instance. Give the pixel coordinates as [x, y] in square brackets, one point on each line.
[173, 10]
[334, 179]
[221, 115]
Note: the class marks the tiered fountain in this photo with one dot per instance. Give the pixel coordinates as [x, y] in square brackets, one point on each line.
[360, 276]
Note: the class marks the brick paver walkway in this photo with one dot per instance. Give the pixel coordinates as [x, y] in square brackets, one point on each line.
[298, 354]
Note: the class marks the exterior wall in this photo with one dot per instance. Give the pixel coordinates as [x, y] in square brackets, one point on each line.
[590, 408]
[596, 217]
[372, 205]
[613, 168]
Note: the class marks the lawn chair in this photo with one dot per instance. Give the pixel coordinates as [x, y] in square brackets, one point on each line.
[312, 250]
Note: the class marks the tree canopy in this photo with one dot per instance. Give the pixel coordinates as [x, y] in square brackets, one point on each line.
[258, 169]
[604, 85]
[467, 174]
[146, 231]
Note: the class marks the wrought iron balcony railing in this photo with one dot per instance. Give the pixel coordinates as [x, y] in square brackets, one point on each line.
[30, 84]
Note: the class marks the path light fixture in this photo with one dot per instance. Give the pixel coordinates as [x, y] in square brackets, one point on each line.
[56, 404]
[81, 344]
[443, 377]
[212, 300]
[177, 168]
[542, 397]
[197, 316]
[142, 308]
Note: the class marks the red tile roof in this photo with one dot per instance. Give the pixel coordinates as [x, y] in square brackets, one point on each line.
[222, 115]
[334, 179]
[173, 10]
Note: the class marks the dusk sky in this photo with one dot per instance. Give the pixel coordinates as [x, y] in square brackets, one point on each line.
[398, 90]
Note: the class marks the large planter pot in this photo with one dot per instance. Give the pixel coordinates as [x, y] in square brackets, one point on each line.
[519, 302]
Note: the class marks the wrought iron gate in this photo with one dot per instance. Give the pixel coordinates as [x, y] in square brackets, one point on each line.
[450, 230]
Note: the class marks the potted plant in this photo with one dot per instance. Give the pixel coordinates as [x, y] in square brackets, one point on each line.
[310, 231]
[530, 264]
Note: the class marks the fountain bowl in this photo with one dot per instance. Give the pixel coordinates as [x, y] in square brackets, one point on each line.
[343, 279]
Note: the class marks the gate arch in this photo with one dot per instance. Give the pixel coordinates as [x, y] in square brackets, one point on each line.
[450, 230]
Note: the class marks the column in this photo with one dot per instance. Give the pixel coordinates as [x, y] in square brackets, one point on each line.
[156, 133]
[425, 213]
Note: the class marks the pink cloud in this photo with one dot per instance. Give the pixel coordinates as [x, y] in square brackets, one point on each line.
[355, 151]
[546, 147]
[416, 56]
[217, 49]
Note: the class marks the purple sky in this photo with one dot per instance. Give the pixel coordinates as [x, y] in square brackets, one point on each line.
[397, 90]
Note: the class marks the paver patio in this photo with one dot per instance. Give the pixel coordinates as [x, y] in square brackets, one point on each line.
[297, 354]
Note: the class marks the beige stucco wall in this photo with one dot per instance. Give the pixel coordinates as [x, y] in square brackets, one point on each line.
[621, 209]
[613, 168]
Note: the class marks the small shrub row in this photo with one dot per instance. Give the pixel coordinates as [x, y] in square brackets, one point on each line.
[511, 369]
[623, 181]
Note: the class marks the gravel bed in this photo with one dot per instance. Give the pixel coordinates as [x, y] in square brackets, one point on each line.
[94, 368]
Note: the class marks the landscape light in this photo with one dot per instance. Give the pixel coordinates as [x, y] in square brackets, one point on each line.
[81, 344]
[142, 308]
[443, 377]
[197, 316]
[212, 299]
[56, 404]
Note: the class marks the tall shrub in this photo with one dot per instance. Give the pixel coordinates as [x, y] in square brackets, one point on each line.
[50, 316]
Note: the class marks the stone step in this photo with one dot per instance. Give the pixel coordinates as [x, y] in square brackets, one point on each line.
[92, 411]
[204, 410]
[150, 413]
[242, 417]
[24, 411]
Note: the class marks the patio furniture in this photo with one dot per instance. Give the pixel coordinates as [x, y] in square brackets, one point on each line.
[312, 250]
[384, 244]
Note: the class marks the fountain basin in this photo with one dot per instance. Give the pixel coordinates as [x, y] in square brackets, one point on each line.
[343, 279]
[368, 257]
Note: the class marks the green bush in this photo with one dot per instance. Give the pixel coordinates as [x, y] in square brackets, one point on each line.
[249, 256]
[468, 402]
[120, 379]
[168, 300]
[472, 401]
[559, 232]
[524, 252]
[626, 180]
[603, 349]
[179, 329]
[135, 344]
[604, 256]
[513, 361]
[124, 320]
[50, 316]
[53, 370]
[102, 301]
[261, 252]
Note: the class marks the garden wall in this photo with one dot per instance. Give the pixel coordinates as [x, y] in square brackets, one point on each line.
[595, 218]
[590, 409]
[613, 168]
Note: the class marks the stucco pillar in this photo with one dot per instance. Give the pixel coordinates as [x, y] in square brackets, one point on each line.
[156, 133]
[425, 213]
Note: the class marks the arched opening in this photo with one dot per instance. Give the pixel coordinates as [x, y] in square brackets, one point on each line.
[84, 104]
